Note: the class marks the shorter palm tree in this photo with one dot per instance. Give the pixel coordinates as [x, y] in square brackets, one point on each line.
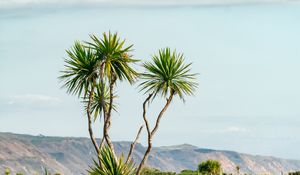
[111, 166]
[167, 75]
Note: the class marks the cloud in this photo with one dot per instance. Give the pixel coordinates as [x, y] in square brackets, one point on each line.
[34, 100]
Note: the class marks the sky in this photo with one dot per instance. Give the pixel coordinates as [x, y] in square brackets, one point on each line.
[29, 3]
[247, 58]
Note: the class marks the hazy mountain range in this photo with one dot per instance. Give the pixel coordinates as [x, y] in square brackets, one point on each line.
[69, 155]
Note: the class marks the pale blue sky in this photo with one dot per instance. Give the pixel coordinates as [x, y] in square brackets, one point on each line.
[247, 57]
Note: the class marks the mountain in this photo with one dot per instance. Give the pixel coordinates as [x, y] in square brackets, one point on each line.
[69, 155]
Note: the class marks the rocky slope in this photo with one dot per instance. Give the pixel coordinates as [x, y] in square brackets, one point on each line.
[68, 155]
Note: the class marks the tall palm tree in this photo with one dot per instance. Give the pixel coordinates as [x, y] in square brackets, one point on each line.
[80, 78]
[114, 64]
[167, 75]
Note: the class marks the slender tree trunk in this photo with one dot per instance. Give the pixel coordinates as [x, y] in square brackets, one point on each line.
[132, 146]
[107, 114]
[103, 103]
[90, 129]
[103, 139]
[152, 133]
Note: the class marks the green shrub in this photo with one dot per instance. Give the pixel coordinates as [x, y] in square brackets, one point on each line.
[188, 172]
[7, 171]
[294, 173]
[153, 171]
[211, 167]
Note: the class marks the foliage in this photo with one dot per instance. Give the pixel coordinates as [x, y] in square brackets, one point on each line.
[101, 90]
[152, 171]
[188, 172]
[111, 166]
[7, 171]
[88, 67]
[294, 173]
[211, 167]
[113, 56]
[80, 70]
[238, 168]
[91, 72]
[46, 172]
[85, 61]
[167, 74]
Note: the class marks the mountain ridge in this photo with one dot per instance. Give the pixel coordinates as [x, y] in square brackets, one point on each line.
[73, 155]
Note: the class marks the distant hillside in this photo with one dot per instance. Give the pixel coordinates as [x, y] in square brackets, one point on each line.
[68, 155]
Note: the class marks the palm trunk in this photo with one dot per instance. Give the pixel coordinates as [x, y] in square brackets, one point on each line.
[102, 140]
[152, 133]
[107, 117]
[90, 129]
[103, 104]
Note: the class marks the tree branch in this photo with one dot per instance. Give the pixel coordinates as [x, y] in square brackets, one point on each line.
[144, 114]
[161, 114]
[132, 146]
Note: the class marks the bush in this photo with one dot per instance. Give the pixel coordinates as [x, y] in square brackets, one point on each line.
[294, 173]
[7, 171]
[188, 172]
[211, 167]
[152, 171]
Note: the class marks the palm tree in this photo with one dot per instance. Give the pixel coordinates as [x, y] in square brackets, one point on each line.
[80, 78]
[92, 66]
[114, 60]
[167, 75]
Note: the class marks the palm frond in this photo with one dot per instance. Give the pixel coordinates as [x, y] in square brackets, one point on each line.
[168, 73]
[111, 52]
[111, 166]
[80, 69]
[101, 90]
